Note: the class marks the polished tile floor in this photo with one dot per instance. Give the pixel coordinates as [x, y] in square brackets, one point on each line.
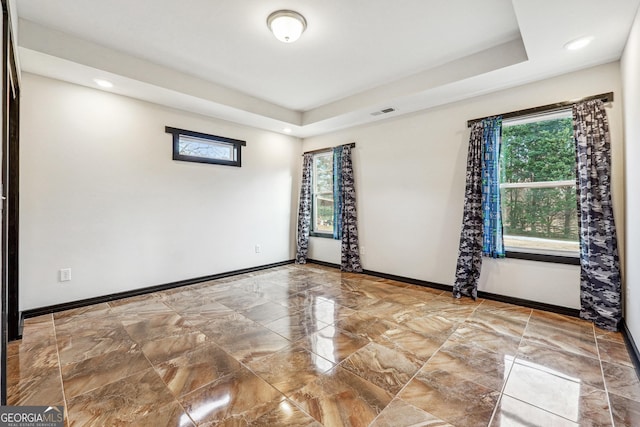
[309, 346]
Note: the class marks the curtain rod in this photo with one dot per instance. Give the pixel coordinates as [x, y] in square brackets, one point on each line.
[605, 97]
[319, 150]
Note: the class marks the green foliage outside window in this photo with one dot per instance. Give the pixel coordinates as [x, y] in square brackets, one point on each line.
[539, 152]
[323, 202]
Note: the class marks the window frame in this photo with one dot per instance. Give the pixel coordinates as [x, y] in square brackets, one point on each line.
[313, 232]
[544, 255]
[235, 144]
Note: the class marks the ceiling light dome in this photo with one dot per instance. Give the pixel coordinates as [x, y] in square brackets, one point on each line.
[286, 25]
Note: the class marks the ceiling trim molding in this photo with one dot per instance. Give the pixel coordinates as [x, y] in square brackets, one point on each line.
[57, 44]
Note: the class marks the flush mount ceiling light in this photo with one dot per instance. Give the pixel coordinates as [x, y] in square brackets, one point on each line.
[578, 43]
[286, 25]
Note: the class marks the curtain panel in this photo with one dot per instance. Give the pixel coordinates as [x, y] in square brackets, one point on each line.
[350, 252]
[337, 193]
[304, 210]
[481, 218]
[492, 240]
[470, 250]
[600, 283]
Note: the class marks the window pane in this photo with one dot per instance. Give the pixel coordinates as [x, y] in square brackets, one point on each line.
[538, 151]
[540, 218]
[324, 217]
[540, 214]
[324, 173]
[198, 147]
[323, 193]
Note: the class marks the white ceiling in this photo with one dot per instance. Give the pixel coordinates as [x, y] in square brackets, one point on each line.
[217, 57]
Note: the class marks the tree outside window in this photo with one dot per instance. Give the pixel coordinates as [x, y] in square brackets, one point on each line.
[538, 186]
[323, 193]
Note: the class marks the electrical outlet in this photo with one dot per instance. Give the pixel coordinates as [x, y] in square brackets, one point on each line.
[258, 249]
[362, 250]
[65, 274]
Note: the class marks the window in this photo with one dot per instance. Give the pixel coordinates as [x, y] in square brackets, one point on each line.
[199, 147]
[538, 186]
[322, 198]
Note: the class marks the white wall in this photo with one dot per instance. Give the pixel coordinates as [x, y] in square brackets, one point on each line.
[100, 194]
[630, 69]
[410, 174]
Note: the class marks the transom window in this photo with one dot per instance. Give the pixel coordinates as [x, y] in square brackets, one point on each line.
[538, 185]
[322, 198]
[200, 147]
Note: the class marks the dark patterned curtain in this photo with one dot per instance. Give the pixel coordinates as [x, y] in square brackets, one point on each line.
[304, 211]
[470, 251]
[337, 193]
[482, 217]
[350, 246]
[599, 265]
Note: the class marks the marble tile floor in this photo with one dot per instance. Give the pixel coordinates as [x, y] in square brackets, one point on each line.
[310, 346]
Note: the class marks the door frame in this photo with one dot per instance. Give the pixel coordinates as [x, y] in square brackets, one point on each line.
[11, 322]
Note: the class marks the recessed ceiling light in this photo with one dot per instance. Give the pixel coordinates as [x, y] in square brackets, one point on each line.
[103, 83]
[578, 43]
[286, 130]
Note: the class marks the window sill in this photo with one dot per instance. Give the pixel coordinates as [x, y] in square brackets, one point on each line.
[322, 235]
[557, 259]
